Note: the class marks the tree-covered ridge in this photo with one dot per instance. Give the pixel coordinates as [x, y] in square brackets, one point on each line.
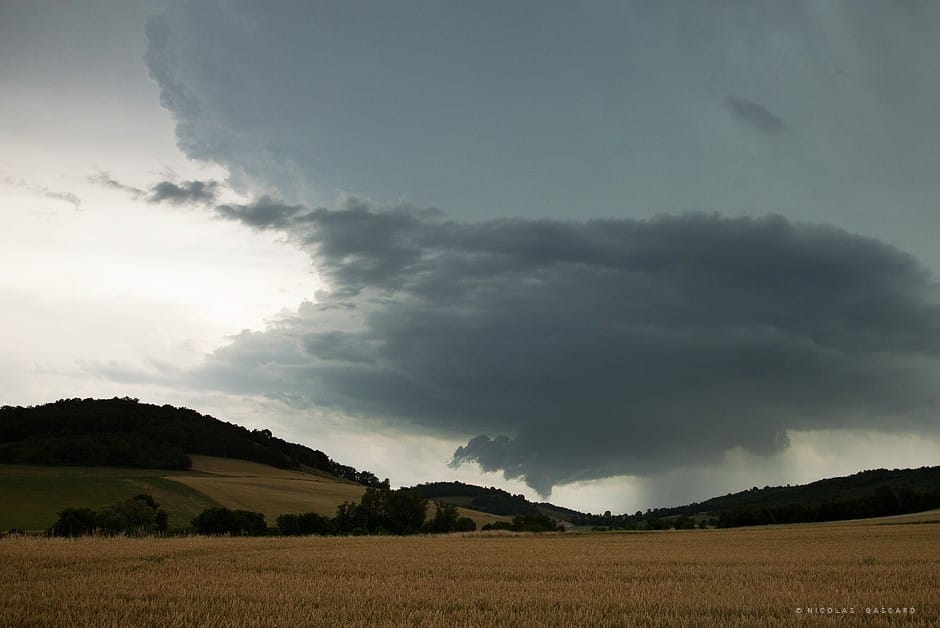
[871, 493]
[123, 432]
[492, 500]
[858, 486]
[882, 502]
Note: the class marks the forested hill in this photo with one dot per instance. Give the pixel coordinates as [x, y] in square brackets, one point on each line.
[496, 501]
[901, 482]
[872, 493]
[123, 432]
[492, 500]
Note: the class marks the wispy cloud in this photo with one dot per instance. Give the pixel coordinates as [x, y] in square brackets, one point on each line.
[106, 180]
[194, 192]
[41, 190]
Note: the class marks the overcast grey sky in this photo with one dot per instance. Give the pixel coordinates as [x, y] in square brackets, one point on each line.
[580, 249]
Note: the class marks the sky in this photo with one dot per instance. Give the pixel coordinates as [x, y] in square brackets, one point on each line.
[618, 255]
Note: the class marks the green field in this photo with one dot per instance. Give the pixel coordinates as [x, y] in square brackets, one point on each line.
[33, 496]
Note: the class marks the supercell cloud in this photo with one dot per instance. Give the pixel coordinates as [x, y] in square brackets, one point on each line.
[576, 350]
[559, 347]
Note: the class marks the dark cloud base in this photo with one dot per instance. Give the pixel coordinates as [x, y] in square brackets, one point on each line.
[572, 351]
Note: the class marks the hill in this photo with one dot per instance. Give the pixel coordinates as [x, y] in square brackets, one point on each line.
[122, 432]
[88, 453]
[872, 493]
[193, 461]
[33, 496]
[850, 487]
[492, 500]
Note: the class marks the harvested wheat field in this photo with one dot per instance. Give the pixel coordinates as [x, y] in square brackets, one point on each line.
[758, 577]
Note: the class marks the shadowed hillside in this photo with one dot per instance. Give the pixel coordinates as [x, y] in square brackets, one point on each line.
[122, 432]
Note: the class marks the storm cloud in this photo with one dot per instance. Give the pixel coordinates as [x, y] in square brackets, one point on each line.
[560, 348]
[565, 110]
[566, 351]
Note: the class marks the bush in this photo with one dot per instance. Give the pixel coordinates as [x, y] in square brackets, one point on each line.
[527, 523]
[219, 521]
[653, 523]
[75, 522]
[466, 524]
[304, 524]
[446, 520]
[138, 515]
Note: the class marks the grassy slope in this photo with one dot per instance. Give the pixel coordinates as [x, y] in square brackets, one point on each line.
[928, 516]
[272, 492]
[481, 518]
[240, 484]
[33, 496]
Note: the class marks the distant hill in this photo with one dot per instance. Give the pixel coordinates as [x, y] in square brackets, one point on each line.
[925, 480]
[492, 500]
[879, 492]
[122, 432]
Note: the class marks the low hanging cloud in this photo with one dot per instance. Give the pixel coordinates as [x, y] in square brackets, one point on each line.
[755, 115]
[194, 192]
[567, 351]
[184, 192]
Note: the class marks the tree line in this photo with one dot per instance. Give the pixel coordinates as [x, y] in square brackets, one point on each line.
[140, 515]
[380, 511]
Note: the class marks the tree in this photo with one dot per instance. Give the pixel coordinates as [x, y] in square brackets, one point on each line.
[465, 524]
[75, 522]
[216, 521]
[446, 519]
[303, 524]
[138, 515]
[381, 511]
[654, 523]
[405, 511]
[535, 523]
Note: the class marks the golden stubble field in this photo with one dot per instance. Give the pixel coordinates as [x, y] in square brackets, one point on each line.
[743, 577]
